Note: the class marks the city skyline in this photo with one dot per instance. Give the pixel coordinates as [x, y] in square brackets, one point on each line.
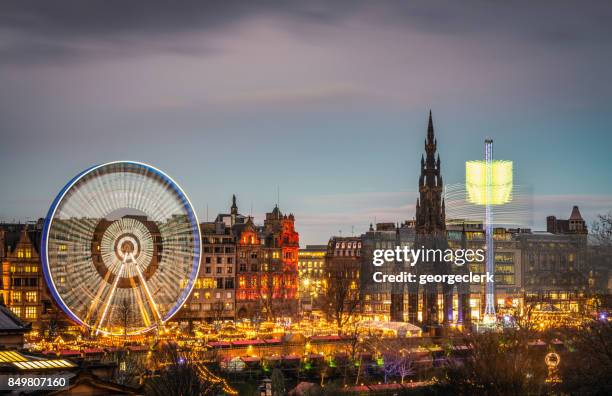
[327, 103]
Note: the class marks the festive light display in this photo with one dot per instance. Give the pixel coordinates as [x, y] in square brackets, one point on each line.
[117, 243]
[500, 185]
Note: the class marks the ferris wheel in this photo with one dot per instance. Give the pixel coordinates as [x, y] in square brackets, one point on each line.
[121, 248]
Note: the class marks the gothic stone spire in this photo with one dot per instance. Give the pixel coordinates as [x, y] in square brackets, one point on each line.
[430, 213]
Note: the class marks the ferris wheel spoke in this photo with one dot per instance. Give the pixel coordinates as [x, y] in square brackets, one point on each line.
[110, 296]
[95, 300]
[150, 299]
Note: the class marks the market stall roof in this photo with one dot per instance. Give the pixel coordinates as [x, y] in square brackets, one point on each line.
[25, 362]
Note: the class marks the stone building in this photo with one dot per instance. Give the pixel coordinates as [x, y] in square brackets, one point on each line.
[213, 296]
[343, 265]
[311, 275]
[556, 264]
[267, 267]
[377, 297]
[23, 287]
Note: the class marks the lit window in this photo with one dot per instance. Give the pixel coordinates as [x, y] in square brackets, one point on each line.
[16, 297]
[16, 310]
[31, 296]
[30, 313]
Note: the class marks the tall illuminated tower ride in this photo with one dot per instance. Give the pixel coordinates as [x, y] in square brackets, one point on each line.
[490, 264]
[489, 183]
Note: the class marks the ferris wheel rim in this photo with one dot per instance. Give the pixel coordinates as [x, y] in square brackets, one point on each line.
[193, 220]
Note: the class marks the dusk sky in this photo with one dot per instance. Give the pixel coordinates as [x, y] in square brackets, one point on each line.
[328, 100]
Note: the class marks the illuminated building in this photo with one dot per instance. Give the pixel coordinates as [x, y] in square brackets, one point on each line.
[311, 276]
[267, 267]
[213, 296]
[23, 287]
[556, 266]
[507, 268]
[377, 296]
[343, 263]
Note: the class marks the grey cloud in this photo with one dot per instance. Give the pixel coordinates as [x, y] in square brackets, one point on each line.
[33, 31]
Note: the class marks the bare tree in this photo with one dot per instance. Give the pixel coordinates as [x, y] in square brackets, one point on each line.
[218, 311]
[125, 311]
[499, 363]
[398, 360]
[586, 369]
[600, 259]
[602, 229]
[340, 302]
[266, 297]
[179, 375]
[131, 367]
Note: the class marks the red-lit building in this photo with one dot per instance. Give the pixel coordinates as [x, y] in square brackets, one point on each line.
[267, 267]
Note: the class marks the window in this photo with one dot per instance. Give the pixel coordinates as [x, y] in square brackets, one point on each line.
[230, 260]
[196, 295]
[228, 295]
[218, 260]
[28, 253]
[208, 270]
[207, 260]
[217, 295]
[229, 270]
[16, 297]
[208, 283]
[16, 310]
[31, 296]
[30, 312]
[219, 270]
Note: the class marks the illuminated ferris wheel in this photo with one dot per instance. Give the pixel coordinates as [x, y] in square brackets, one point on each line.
[121, 248]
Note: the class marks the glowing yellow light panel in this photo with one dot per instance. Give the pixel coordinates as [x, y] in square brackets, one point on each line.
[476, 182]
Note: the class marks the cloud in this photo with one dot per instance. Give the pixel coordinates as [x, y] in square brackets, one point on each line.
[33, 31]
[306, 94]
